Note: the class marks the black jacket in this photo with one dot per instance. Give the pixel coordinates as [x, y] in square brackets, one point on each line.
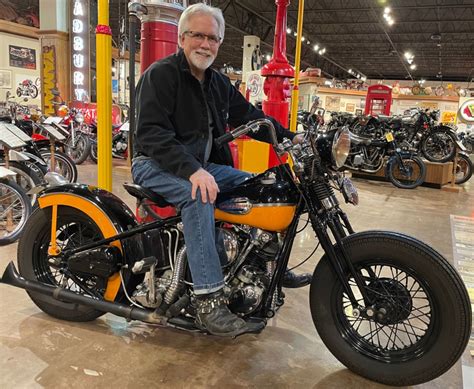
[172, 122]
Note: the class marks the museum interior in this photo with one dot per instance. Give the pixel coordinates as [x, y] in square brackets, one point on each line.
[236, 193]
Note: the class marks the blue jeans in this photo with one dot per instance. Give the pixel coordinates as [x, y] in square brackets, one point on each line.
[198, 217]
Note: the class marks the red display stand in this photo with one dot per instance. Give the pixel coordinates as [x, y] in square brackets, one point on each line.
[378, 100]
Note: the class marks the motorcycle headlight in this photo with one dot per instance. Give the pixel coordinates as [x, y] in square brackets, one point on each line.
[333, 147]
[340, 147]
[79, 117]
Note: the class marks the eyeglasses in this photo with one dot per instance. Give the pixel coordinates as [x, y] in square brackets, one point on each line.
[200, 37]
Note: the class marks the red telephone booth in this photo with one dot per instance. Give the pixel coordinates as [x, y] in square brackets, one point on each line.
[379, 100]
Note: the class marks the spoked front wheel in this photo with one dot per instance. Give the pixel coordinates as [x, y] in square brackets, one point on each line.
[463, 169]
[419, 320]
[15, 208]
[406, 172]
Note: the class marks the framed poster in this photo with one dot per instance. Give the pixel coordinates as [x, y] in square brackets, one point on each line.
[333, 103]
[350, 107]
[5, 79]
[22, 57]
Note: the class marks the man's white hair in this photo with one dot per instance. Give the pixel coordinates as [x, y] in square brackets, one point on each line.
[201, 9]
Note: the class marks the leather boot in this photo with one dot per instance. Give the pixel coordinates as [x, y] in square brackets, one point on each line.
[214, 315]
[291, 280]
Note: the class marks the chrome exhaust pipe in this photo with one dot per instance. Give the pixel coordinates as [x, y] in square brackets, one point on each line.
[11, 277]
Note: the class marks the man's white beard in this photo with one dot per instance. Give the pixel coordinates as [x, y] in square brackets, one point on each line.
[200, 61]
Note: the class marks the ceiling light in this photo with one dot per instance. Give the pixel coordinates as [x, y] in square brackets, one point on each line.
[408, 54]
[316, 47]
[308, 42]
[323, 51]
[358, 76]
[302, 39]
[268, 57]
[328, 83]
[364, 78]
[413, 67]
[349, 71]
[422, 81]
[288, 30]
[295, 33]
[387, 10]
[390, 22]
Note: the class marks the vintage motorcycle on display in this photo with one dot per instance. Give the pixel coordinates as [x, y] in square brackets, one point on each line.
[119, 141]
[416, 130]
[388, 306]
[404, 169]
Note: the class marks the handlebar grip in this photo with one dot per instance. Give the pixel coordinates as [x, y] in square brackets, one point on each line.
[226, 138]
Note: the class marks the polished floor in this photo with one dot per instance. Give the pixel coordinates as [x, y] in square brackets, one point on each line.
[39, 351]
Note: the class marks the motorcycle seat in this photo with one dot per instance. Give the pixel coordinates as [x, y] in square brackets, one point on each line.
[384, 118]
[116, 126]
[142, 193]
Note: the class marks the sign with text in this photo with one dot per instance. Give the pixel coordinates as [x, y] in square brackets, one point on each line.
[22, 57]
[80, 72]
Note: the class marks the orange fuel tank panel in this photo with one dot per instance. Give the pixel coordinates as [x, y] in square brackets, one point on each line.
[265, 216]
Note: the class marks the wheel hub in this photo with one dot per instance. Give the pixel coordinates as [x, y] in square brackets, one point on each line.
[392, 301]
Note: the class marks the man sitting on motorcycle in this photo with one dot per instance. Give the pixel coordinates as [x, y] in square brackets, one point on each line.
[182, 105]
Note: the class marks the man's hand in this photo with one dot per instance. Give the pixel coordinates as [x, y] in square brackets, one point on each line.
[205, 182]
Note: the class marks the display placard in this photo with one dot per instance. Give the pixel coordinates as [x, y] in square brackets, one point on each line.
[17, 132]
[52, 131]
[52, 119]
[8, 139]
[22, 57]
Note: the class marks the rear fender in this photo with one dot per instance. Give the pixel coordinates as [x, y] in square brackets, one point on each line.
[111, 215]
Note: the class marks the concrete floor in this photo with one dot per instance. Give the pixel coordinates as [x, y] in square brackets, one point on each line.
[39, 351]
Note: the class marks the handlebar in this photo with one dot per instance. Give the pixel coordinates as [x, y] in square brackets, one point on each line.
[253, 126]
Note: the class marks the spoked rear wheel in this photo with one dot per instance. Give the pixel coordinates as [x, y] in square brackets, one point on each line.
[74, 228]
[408, 172]
[419, 321]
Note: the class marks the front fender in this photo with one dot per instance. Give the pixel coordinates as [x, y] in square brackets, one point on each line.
[110, 214]
[445, 128]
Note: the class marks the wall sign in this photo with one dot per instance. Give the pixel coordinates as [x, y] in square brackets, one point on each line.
[49, 79]
[22, 57]
[80, 50]
[466, 111]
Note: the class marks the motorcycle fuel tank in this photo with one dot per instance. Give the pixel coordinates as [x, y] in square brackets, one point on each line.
[265, 201]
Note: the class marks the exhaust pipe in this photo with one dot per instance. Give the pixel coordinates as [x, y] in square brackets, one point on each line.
[11, 277]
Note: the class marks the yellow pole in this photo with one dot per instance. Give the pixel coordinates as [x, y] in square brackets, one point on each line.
[295, 92]
[104, 96]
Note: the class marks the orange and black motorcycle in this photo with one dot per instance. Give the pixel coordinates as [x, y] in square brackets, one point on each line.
[388, 306]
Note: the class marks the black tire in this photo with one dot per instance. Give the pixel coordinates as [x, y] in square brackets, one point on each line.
[463, 169]
[64, 164]
[73, 228]
[33, 91]
[440, 294]
[439, 146]
[409, 175]
[14, 198]
[80, 150]
[26, 177]
[93, 153]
